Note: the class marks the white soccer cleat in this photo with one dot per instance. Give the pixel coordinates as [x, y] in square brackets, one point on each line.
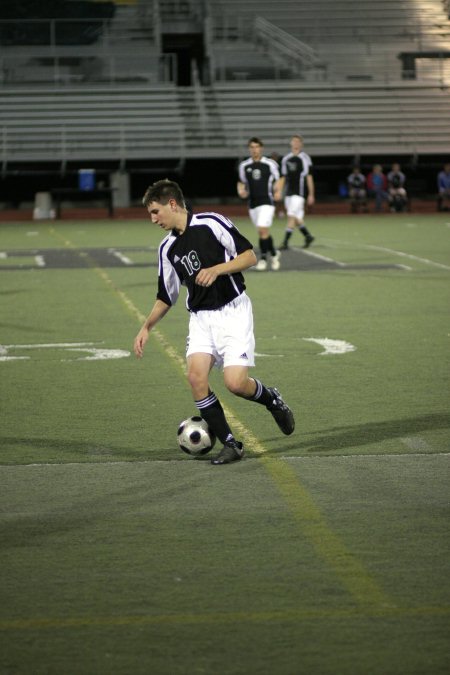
[261, 265]
[275, 261]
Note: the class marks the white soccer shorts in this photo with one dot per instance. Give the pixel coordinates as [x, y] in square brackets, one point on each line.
[226, 333]
[262, 216]
[295, 206]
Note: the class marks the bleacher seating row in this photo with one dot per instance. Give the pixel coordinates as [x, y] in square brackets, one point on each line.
[359, 106]
[44, 125]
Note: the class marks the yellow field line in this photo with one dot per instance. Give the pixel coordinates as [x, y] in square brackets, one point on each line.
[284, 616]
[351, 573]
[327, 544]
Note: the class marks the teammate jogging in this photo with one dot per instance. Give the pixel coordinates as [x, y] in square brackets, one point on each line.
[259, 180]
[298, 184]
[206, 253]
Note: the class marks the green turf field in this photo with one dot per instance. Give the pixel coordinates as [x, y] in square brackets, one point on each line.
[322, 553]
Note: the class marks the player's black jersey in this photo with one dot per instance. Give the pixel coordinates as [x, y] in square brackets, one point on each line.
[295, 168]
[396, 179]
[259, 178]
[209, 239]
[356, 180]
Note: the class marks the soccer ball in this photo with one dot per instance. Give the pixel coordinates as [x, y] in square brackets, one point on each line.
[195, 437]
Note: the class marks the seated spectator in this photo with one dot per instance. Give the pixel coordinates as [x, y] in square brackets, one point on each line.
[398, 197]
[357, 190]
[377, 186]
[443, 181]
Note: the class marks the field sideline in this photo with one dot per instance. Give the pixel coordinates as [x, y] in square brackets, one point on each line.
[321, 553]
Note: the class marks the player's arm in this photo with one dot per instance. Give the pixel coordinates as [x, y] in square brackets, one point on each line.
[159, 310]
[242, 190]
[241, 262]
[278, 187]
[311, 190]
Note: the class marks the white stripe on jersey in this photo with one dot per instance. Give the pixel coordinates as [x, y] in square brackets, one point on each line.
[274, 170]
[166, 271]
[220, 226]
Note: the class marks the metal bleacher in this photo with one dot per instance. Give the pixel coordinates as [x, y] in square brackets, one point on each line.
[85, 123]
[401, 119]
[329, 70]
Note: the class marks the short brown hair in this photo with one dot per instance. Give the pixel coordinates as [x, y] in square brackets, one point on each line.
[162, 191]
[255, 139]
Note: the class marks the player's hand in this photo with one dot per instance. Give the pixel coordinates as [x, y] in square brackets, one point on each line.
[310, 200]
[206, 276]
[242, 192]
[139, 342]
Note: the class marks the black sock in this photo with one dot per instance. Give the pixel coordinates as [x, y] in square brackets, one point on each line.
[287, 236]
[262, 394]
[271, 247]
[305, 231]
[212, 412]
[263, 247]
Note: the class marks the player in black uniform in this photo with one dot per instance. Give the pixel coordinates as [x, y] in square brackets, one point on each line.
[298, 183]
[398, 197]
[206, 253]
[357, 190]
[259, 180]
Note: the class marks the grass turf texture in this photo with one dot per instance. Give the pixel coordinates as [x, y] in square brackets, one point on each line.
[323, 552]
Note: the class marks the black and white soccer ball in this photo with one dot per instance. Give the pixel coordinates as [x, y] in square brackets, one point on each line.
[195, 437]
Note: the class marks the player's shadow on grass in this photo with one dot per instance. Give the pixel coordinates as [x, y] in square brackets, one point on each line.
[340, 438]
[55, 450]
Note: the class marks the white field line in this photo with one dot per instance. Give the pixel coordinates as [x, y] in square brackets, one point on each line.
[402, 254]
[322, 257]
[372, 247]
[123, 258]
[278, 458]
[56, 345]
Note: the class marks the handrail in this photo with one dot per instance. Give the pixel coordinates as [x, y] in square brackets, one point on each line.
[279, 40]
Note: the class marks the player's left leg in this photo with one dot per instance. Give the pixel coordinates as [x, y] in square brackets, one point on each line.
[262, 218]
[238, 349]
[237, 381]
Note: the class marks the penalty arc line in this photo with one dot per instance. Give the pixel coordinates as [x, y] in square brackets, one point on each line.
[351, 573]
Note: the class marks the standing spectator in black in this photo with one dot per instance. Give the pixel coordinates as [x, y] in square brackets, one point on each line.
[357, 190]
[443, 181]
[298, 182]
[259, 180]
[398, 197]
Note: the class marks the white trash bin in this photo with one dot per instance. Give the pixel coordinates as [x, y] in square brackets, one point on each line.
[43, 209]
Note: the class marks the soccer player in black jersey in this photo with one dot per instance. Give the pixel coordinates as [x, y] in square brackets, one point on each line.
[259, 180]
[398, 197]
[357, 190]
[206, 253]
[298, 184]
